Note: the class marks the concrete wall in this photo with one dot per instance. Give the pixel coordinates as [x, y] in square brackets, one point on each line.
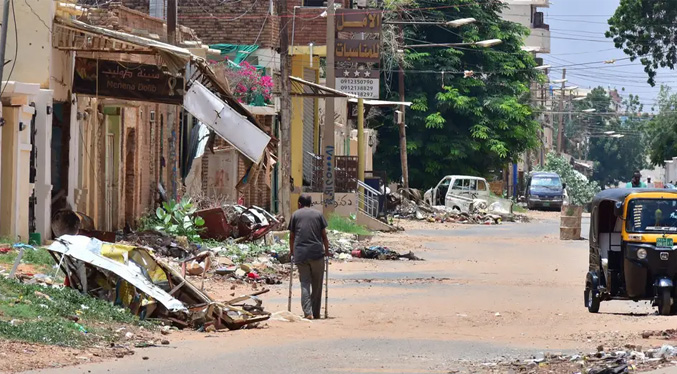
[521, 12]
[31, 58]
[345, 203]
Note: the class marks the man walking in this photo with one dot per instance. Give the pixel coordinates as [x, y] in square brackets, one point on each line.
[636, 181]
[308, 244]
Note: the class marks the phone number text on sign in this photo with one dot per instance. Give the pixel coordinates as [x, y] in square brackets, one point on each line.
[364, 88]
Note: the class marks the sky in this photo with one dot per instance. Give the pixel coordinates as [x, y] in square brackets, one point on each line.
[577, 36]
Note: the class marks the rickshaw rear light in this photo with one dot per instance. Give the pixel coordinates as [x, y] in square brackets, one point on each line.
[641, 253]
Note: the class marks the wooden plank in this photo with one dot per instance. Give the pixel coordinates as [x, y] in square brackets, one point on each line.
[178, 286]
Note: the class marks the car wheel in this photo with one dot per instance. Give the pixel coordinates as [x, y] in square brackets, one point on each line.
[592, 300]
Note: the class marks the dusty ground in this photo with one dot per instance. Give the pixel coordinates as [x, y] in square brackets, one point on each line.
[484, 293]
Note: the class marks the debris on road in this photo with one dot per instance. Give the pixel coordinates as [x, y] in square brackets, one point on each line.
[613, 361]
[408, 204]
[133, 277]
[383, 253]
[238, 222]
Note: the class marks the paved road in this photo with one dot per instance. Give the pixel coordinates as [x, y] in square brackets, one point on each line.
[484, 293]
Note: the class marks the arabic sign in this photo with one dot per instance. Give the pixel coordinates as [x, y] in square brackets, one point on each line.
[358, 20]
[126, 80]
[352, 50]
[360, 87]
[345, 204]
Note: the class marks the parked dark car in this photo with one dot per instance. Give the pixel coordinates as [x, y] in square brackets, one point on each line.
[545, 191]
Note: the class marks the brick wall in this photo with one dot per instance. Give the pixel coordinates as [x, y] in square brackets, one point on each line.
[213, 21]
[133, 19]
[257, 193]
[246, 21]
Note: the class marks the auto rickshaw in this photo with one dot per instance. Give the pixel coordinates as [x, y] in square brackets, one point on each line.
[632, 250]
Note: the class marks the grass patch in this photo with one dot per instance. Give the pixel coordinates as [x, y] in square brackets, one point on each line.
[40, 259]
[27, 315]
[518, 209]
[346, 225]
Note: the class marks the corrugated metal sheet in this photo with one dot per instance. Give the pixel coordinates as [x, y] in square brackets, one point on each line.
[308, 128]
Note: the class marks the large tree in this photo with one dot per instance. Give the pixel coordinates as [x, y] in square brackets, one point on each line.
[645, 29]
[662, 129]
[612, 140]
[471, 111]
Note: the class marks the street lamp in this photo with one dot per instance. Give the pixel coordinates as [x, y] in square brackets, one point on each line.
[482, 43]
[455, 23]
[589, 110]
[609, 132]
[489, 43]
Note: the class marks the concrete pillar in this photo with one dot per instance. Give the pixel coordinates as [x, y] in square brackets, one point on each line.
[15, 161]
[43, 178]
[10, 173]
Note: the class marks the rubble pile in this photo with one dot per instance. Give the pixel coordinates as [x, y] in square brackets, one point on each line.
[162, 245]
[612, 361]
[133, 277]
[409, 209]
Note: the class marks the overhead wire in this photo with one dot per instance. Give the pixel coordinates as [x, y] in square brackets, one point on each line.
[16, 49]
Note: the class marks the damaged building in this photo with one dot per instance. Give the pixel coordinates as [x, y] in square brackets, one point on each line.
[115, 120]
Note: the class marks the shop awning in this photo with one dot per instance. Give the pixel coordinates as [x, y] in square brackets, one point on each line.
[74, 35]
[381, 102]
[303, 88]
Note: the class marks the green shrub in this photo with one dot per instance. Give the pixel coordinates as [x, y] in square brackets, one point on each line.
[178, 219]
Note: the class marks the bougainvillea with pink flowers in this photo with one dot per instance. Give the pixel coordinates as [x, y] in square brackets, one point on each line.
[249, 85]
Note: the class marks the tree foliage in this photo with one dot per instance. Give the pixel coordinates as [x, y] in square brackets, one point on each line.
[615, 157]
[458, 124]
[580, 190]
[661, 131]
[645, 30]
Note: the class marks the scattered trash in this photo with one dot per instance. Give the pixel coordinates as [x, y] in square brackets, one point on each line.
[376, 253]
[238, 222]
[286, 316]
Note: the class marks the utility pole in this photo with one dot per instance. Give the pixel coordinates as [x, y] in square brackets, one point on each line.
[328, 190]
[560, 129]
[401, 124]
[171, 21]
[284, 194]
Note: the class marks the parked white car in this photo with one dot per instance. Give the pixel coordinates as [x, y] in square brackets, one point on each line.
[458, 192]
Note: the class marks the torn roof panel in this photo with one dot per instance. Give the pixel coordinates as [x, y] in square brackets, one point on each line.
[234, 128]
[88, 250]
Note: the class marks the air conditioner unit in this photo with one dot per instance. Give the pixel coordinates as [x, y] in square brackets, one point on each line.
[361, 3]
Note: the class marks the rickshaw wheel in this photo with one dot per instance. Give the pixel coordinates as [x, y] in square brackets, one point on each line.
[592, 300]
[664, 302]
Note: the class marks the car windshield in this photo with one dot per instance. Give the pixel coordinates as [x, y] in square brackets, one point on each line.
[652, 215]
[546, 182]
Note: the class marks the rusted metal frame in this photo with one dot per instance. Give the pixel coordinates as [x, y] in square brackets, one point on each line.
[137, 51]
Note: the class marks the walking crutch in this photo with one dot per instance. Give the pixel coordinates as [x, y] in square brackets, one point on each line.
[291, 276]
[326, 287]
